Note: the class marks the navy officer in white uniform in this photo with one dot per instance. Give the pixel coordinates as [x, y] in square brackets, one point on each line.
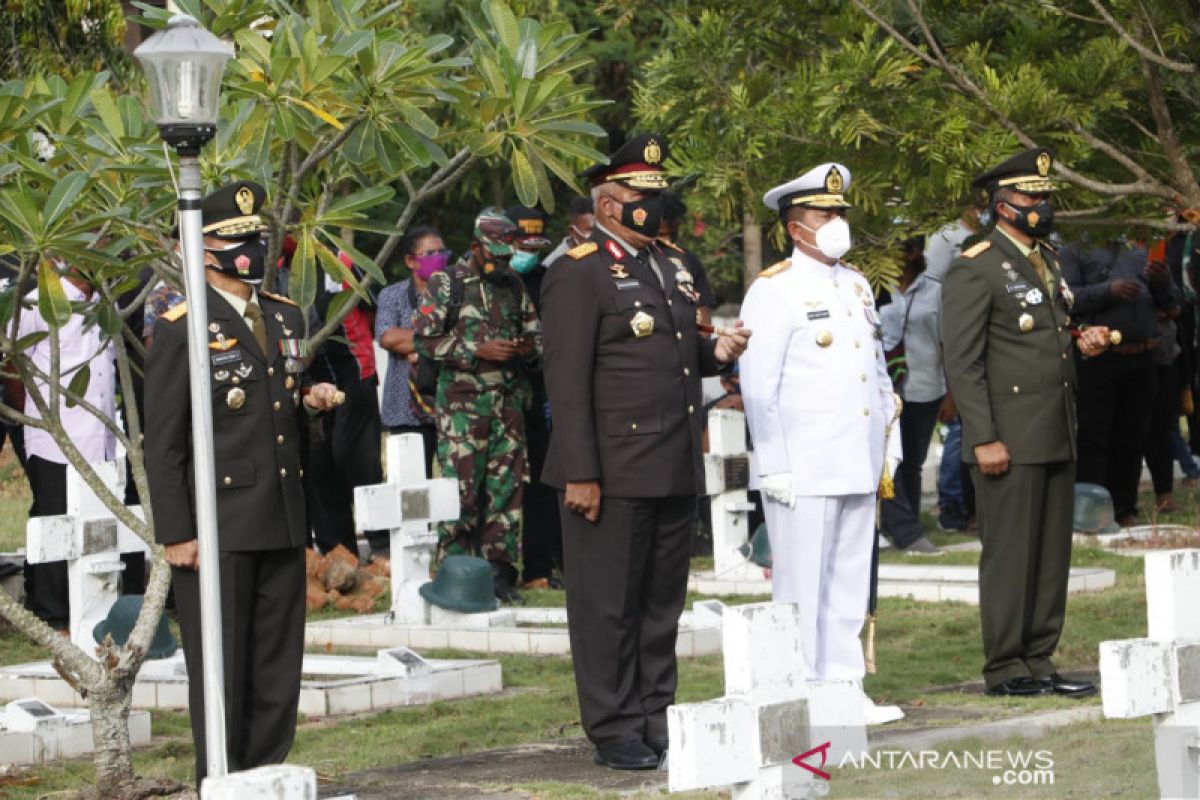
[820, 408]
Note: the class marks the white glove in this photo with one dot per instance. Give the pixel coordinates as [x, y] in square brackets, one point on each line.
[893, 462]
[778, 487]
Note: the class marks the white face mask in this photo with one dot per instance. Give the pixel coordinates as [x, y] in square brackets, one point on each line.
[833, 238]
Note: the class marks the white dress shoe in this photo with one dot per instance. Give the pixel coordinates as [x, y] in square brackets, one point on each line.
[880, 715]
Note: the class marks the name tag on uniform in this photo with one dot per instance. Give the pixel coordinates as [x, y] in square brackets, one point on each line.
[1014, 288]
[230, 357]
[629, 284]
[822, 314]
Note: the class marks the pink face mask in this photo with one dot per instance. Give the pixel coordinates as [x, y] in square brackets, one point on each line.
[430, 263]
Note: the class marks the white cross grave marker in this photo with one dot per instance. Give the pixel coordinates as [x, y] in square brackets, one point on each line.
[726, 477]
[406, 505]
[91, 540]
[769, 715]
[1160, 675]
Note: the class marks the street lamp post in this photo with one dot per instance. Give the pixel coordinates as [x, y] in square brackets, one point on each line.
[183, 66]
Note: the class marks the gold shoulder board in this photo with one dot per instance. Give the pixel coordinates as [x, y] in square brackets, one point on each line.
[175, 312]
[776, 268]
[278, 298]
[976, 249]
[585, 249]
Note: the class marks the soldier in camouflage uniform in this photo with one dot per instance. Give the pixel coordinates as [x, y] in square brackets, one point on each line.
[479, 325]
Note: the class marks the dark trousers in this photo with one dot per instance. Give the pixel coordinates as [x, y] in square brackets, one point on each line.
[1116, 394]
[541, 530]
[428, 434]
[901, 516]
[1025, 526]
[46, 587]
[626, 584]
[1164, 416]
[344, 454]
[262, 618]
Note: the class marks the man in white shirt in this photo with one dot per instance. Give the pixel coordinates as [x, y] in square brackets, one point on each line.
[820, 407]
[81, 343]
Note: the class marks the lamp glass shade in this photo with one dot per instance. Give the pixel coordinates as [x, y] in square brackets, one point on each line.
[183, 66]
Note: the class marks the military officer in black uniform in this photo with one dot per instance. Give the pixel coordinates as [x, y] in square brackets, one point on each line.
[1007, 342]
[258, 407]
[623, 362]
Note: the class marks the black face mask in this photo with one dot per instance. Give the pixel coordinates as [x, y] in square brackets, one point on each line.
[246, 262]
[496, 269]
[643, 216]
[1035, 221]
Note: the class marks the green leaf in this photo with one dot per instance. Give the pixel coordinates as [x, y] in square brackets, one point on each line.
[109, 319]
[52, 298]
[524, 180]
[504, 22]
[106, 109]
[338, 271]
[360, 259]
[302, 286]
[66, 194]
[79, 384]
[349, 206]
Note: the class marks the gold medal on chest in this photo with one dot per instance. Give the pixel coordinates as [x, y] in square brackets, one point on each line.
[1025, 323]
[642, 324]
[236, 398]
[824, 338]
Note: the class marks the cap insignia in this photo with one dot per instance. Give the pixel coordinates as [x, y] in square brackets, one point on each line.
[833, 181]
[244, 199]
[1043, 163]
[652, 154]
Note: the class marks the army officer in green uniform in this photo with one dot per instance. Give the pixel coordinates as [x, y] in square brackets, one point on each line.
[1007, 340]
[258, 406]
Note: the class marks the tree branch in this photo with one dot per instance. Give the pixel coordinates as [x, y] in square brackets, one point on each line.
[1167, 137]
[1145, 52]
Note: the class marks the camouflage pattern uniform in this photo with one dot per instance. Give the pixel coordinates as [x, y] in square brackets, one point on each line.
[479, 409]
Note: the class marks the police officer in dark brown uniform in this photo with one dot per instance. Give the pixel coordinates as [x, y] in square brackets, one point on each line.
[257, 407]
[623, 362]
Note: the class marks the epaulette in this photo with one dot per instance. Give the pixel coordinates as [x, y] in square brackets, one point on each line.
[174, 312]
[580, 250]
[776, 268]
[278, 298]
[670, 244]
[976, 249]
[852, 268]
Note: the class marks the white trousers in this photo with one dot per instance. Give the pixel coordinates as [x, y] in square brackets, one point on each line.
[821, 560]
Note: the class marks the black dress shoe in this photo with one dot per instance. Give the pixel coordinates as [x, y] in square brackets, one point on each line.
[1020, 687]
[626, 754]
[658, 744]
[1059, 685]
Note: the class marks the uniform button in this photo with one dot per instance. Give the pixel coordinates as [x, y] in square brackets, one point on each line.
[1065, 384]
[1016, 390]
[863, 377]
[637, 303]
[678, 335]
[669, 303]
[633, 426]
[857, 343]
[301, 473]
[236, 380]
[228, 481]
[1064, 356]
[849, 313]
[691, 409]
[687, 371]
[1024, 305]
[270, 370]
[866, 412]
[1060, 328]
[283, 472]
[277, 405]
[279, 439]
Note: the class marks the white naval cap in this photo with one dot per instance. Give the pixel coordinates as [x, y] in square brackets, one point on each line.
[821, 187]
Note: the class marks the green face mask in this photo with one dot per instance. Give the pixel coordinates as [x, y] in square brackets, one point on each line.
[523, 261]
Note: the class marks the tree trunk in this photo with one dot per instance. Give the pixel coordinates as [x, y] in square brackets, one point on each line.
[110, 704]
[752, 249]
